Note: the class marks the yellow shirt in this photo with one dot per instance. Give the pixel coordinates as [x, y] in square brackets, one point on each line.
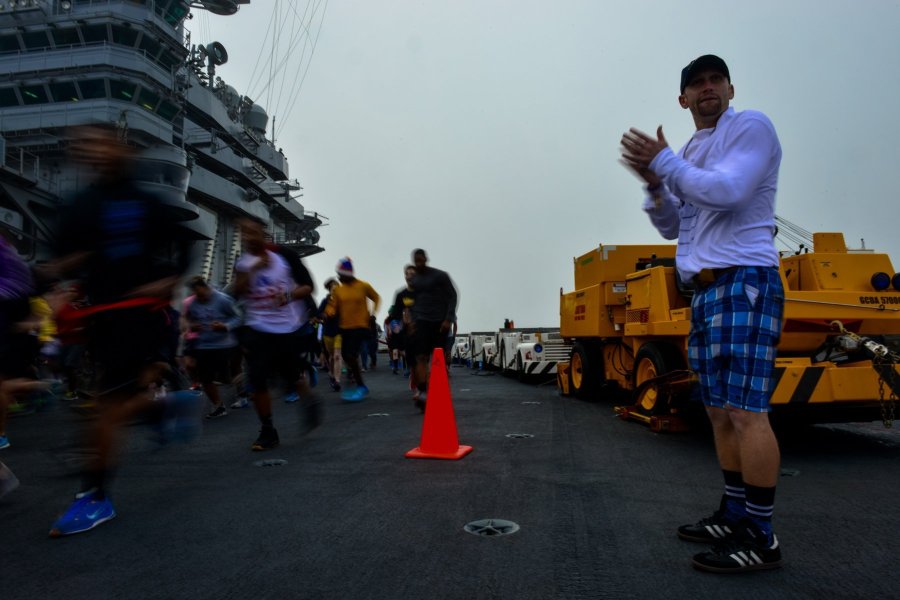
[349, 301]
[41, 309]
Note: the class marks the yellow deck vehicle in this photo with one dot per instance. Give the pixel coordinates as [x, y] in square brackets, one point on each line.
[629, 317]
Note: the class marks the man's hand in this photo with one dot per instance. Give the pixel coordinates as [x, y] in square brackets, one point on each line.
[445, 326]
[639, 150]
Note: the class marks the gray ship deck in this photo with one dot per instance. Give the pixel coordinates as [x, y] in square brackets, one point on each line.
[349, 517]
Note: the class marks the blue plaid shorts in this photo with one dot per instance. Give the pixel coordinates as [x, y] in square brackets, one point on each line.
[735, 327]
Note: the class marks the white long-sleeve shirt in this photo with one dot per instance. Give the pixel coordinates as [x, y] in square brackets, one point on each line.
[718, 195]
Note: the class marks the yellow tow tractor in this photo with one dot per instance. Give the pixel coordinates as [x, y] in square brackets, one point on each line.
[628, 320]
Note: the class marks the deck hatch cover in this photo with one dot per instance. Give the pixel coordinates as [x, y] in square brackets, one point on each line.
[491, 527]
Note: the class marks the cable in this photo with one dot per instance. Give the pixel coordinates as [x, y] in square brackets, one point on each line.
[315, 42]
[792, 236]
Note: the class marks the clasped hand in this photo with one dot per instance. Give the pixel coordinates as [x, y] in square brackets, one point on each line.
[639, 150]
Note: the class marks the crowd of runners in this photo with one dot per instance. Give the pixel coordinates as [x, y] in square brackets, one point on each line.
[105, 327]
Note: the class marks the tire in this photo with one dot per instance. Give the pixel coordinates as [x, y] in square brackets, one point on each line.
[653, 360]
[487, 365]
[520, 369]
[584, 377]
[504, 370]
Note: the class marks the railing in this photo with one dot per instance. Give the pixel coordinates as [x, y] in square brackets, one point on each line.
[24, 163]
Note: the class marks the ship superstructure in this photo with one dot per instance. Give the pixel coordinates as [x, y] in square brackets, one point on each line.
[132, 63]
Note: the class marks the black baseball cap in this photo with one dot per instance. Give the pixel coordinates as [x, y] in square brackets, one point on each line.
[707, 62]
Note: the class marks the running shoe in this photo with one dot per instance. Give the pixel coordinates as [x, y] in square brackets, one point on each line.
[240, 402]
[268, 439]
[182, 416]
[420, 399]
[86, 406]
[747, 550]
[714, 528]
[57, 387]
[217, 412]
[291, 397]
[357, 394]
[85, 513]
[335, 385]
[4, 442]
[20, 409]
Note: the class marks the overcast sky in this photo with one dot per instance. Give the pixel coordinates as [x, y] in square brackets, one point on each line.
[487, 131]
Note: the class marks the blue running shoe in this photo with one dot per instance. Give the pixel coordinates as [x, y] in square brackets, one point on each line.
[291, 398]
[361, 392]
[85, 513]
[181, 420]
[4, 442]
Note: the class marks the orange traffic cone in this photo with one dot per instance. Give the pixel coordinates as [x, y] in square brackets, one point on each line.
[439, 439]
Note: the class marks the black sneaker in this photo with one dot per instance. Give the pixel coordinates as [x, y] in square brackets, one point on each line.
[268, 439]
[746, 550]
[217, 412]
[712, 529]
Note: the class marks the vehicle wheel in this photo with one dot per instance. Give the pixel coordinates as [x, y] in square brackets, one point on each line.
[583, 376]
[504, 370]
[520, 368]
[653, 360]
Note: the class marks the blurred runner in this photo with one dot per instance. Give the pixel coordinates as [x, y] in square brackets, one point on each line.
[273, 318]
[213, 317]
[331, 339]
[130, 253]
[18, 332]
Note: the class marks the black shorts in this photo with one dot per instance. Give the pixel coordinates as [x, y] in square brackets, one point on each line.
[214, 364]
[124, 342]
[18, 350]
[270, 354]
[351, 341]
[426, 337]
[309, 342]
[18, 356]
[397, 341]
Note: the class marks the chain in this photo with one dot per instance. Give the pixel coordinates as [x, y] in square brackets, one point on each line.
[884, 365]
